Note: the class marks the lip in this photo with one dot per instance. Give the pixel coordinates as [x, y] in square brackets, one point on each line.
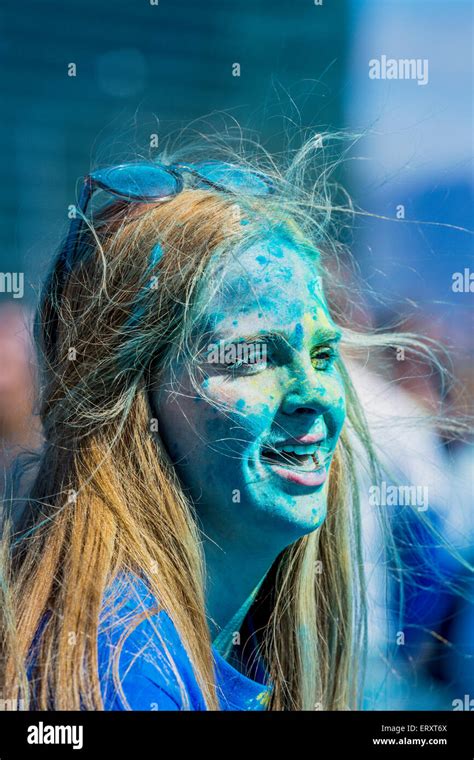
[302, 441]
[311, 479]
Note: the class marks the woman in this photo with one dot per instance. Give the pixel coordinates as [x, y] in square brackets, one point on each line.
[192, 538]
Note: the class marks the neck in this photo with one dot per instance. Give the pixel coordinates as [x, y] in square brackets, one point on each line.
[234, 575]
[224, 640]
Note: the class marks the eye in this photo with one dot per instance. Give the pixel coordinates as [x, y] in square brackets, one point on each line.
[238, 358]
[245, 366]
[323, 357]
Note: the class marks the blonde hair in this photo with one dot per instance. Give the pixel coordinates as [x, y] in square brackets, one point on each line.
[106, 497]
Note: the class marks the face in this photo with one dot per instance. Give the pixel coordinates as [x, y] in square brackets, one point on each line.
[252, 438]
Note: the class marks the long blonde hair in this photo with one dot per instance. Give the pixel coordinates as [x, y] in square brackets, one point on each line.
[106, 497]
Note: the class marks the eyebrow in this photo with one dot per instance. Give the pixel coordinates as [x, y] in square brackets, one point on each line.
[323, 336]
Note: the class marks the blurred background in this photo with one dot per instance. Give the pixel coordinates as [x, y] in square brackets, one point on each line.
[147, 68]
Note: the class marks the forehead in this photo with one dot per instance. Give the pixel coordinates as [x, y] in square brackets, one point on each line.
[269, 284]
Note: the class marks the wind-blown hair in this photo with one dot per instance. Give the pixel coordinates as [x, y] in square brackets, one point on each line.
[106, 497]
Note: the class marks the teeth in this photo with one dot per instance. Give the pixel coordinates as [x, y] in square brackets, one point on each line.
[309, 449]
[308, 463]
[305, 458]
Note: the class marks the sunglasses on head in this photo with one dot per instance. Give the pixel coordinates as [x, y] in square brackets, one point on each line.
[155, 182]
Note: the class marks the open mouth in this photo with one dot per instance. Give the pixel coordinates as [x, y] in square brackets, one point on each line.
[304, 465]
[286, 458]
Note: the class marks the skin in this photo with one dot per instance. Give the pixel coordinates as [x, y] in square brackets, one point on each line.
[214, 433]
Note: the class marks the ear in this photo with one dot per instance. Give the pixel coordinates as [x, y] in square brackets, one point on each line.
[154, 425]
[151, 393]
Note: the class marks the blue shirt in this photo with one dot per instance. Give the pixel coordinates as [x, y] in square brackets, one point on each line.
[149, 680]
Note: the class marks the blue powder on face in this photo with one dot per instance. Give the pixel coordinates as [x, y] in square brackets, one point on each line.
[240, 404]
[275, 249]
[285, 272]
[261, 260]
[315, 287]
[299, 336]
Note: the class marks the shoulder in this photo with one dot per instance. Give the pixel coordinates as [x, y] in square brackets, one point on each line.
[149, 660]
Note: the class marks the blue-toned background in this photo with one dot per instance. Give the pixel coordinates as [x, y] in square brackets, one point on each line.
[144, 69]
[138, 63]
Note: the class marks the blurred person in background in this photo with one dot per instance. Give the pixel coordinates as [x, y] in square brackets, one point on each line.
[20, 427]
[414, 663]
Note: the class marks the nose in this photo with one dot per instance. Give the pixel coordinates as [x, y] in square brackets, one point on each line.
[306, 392]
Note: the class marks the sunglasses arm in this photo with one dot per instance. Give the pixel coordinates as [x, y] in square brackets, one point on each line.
[70, 246]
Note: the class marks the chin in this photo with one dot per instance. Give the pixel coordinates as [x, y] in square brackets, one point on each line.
[291, 517]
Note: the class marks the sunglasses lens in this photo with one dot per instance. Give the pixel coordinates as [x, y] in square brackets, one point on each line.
[138, 181]
[233, 178]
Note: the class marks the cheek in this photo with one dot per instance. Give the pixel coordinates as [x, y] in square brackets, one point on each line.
[250, 395]
[245, 406]
[228, 415]
[337, 406]
[339, 415]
